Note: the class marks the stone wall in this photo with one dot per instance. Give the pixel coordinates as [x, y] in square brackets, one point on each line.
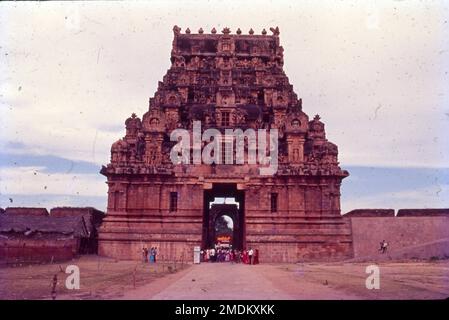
[370, 213]
[170, 251]
[295, 251]
[24, 211]
[423, 212]
[29, 250]
[419, 234]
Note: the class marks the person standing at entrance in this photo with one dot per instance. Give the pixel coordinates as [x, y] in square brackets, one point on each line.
[256, 257]
[237, 256]
[151, 258]
[155, 254]
[250, 255]
[245, 256]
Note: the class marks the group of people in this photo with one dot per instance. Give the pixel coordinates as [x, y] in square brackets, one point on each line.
[223, 254]
[149, 255]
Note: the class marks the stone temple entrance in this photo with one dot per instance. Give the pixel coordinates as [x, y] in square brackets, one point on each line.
[225, 81]
[214, 211]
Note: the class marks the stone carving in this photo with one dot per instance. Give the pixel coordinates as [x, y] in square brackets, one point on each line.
[226, 30]
[176, 30]
[275, 31]
[239, 117]
[133, 125]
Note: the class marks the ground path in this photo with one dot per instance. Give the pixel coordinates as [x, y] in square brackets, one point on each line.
[105, 278]
[235, 282]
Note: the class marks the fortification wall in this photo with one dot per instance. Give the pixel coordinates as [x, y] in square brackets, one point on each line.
[25, 211]
[414, 235]
[28, 250]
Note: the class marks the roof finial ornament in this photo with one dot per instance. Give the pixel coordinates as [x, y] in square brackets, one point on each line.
[239, 31]
[200, 31]
[251, 31]
[317, 117]
[226, 30]
[176, 30]
[275, 31]
[264, 32]
[188, 31]
[213, 31]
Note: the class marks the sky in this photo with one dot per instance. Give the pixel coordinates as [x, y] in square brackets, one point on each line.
[375, 71]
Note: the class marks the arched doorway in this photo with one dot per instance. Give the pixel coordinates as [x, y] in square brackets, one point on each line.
[219, 214]
[220, 232]
[224, 231]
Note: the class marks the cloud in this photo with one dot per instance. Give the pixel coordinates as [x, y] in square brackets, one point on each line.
[51, 201]
[49, 164]
[373, 187]
[381, 90]
[34, 180]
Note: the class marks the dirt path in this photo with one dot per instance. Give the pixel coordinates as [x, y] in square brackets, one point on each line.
[234, 282]
[103, 278]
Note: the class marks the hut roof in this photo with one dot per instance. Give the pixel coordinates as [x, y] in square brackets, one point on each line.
[92, 217]
[63, 225]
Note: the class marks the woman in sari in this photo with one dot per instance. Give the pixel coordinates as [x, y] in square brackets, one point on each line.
[245, 257]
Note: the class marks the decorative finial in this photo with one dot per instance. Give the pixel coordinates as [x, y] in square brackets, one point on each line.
[213, 31]
[251, 31]
[226, 30]
[275, 31]
[188, 31]
[317, 117]
[239, 31]
[176, 30]
[200, 31]
[133, 115]
[264, 32]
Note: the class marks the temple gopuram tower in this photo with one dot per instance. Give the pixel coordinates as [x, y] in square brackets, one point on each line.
[225, 81]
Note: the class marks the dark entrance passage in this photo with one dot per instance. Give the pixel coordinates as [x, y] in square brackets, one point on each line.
[223, 203]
